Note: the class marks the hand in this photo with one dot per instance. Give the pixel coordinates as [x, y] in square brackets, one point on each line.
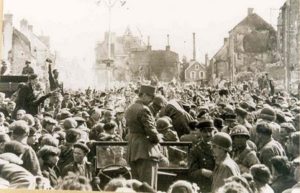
[135, 184]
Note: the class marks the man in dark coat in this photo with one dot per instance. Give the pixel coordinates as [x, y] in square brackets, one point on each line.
[143, 150]
[180, 118]
[27, 70]
[26, 98]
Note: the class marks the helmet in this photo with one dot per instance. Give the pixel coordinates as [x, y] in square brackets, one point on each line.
[163, 123]
[239, 130]
[222, 140]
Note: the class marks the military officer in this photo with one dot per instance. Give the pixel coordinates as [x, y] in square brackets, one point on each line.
[201, 158]
[143, 138]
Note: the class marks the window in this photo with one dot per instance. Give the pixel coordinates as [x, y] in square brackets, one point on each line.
[197, 67]
[193, 75]
[201, 75]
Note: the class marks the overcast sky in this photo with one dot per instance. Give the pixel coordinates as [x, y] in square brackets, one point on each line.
[76, 25]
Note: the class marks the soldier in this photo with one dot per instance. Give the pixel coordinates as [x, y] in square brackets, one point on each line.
[143, 151]
[225, 166]
[242, 154]
[27, 70]
[201, 158]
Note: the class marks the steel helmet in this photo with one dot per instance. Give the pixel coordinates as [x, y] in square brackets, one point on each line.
[163, 123]
[239, 130]
[223, 140]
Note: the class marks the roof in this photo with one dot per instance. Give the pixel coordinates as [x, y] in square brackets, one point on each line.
[192, 63]
[222, 53]
[254, 21]
[17, 34]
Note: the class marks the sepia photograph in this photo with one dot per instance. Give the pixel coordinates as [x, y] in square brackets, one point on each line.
[159, 96]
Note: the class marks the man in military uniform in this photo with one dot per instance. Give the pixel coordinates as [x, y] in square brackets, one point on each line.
[242, 154]
[143, 150]
[27, 70]
[201, 158]
[225, 166]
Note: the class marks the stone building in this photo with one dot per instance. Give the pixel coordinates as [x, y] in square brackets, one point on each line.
[22, 44]
[288, 40]
[251, 45]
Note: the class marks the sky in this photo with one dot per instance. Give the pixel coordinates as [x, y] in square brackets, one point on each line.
[75, 26]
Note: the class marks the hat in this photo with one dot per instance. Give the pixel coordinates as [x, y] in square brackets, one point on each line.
[79, 119]
[244, 105]
[163, 123]
[147, 89]
[241, 112]
[267, 113]
[48, 150]
[229, 117]
[288, 127]
[70, 123]
[50, 120]
[239, 130]
[27, 62]
[223, 140]
[218, 123]
[82, 146]
[206, 124]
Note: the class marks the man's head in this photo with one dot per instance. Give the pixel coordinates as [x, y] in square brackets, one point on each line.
[49, 124]
[108, 115]
[20, 114]
[55, 73]
[20, 130]
[27, 63]
[239, 135]
[79, 152]
[264, 131]
[10, 106]
[33, 80]
[293, 144]
[49, 154]
[147, 94]
[207, 130]
[159, 102]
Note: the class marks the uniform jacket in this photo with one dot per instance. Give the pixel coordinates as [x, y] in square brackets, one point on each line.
[201, 158]
[143, 137]
[223, 170]
[245, 159]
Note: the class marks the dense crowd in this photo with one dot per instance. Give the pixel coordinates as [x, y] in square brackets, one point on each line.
[245, 137]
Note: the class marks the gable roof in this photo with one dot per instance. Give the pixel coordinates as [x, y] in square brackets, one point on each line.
[222, 53]
[192, 63]
[18, 35]
[254, 21]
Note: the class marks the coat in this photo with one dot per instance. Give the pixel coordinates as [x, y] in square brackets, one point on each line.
[223, 170]
[245, 159]
[75, 168]
[50, 173]
[143, 137]
[180, 118]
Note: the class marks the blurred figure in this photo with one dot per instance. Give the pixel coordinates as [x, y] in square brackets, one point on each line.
[261, 176]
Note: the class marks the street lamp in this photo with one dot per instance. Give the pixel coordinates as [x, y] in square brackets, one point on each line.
[108, 61]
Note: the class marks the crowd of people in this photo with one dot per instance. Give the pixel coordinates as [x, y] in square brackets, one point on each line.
[245, 138]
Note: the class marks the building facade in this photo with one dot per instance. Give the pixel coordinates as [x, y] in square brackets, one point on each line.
[195, 72]
[288, 41]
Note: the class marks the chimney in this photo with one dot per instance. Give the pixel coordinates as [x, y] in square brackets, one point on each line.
[148, 44]
[206, 60]
[225, 40]
[30, 28]
[168, 43]
[24, 25]
[8, 18]
[250, 11]
[194, 47]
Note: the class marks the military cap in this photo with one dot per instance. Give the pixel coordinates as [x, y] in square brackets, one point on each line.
[206, 124]
[48, 150]
[147, 89]
[241, 112]
[229, 117]
[82, 146]
[27, 62]
[239, 130]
